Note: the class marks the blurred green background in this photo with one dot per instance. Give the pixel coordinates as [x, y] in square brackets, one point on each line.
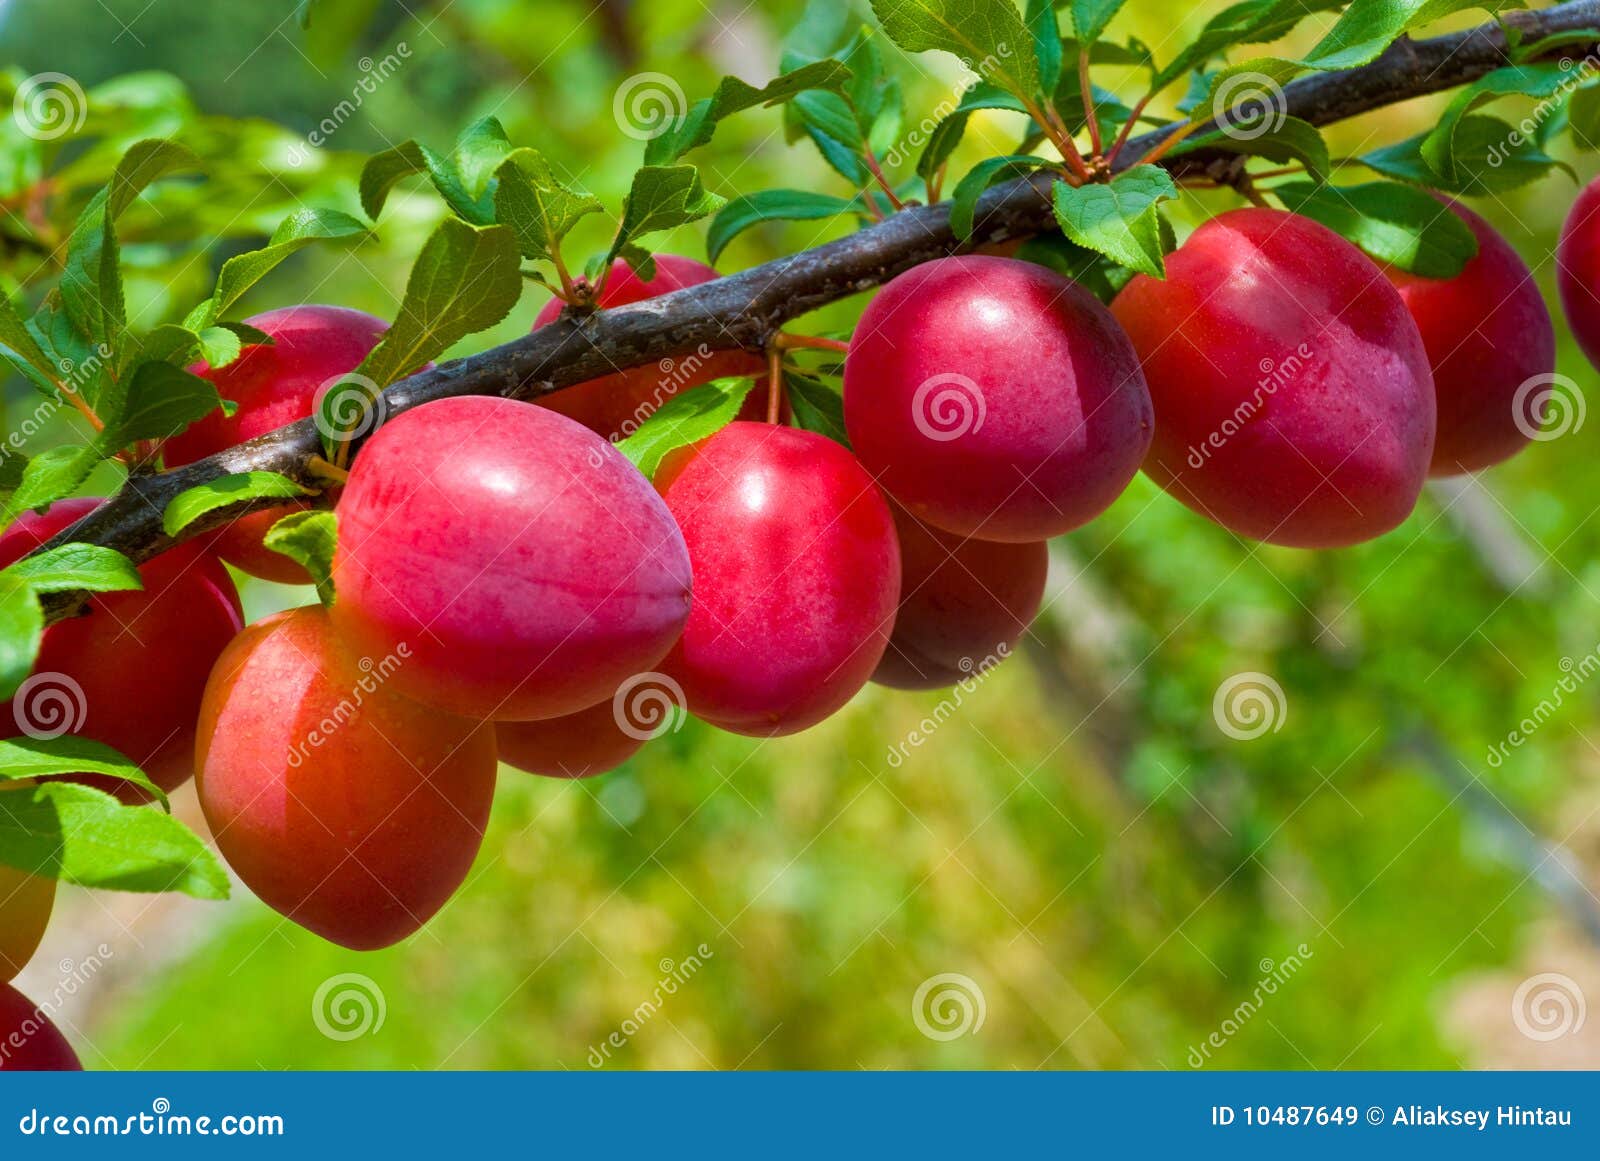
[1111, 872]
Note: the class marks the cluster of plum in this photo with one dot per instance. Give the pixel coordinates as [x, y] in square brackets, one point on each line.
[505, 580]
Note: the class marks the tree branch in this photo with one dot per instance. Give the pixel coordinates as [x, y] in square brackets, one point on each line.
[744, 310]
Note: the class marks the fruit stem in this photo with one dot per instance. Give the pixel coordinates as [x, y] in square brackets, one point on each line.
[882, 179]
[1127, 129]
[786, 342]
[1060, 138]
[775, 380]
[1166, 146]
[1088, 101]
[325, 472]
[561, 273]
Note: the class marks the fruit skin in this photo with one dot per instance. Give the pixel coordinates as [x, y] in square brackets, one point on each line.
[994, 398]
[273, 386]
[797, 574]
[615, 405]
[140, 658]
[1487, 331]
[579, 745]
[26, 902]
[344, 806]
[964, 603]
[1294, 402]
[528, 566]
[1578, 270]
[29, 1042]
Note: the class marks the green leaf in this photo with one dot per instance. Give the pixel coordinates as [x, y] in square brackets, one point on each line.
[383, 170]
[69, 831]
[537, 207]
[1583, 117]
[947, 133]
[69, 754]
[309, 539]
[988, 37]
[1250, 22]
[21, 629]
[1542, 79]
[1090, 17]
[817, 406]
[91, 283]
[190, 505]
[1490, 157]
[243, 271]
[1397, 224]
[964, 199]
[772, 205]
[698, 125]
[162, 400]
[466, 279]
[1289, 139]
[1121, 219]
[52, 474]
[89, 567]
[14, 334]
[683, 420]
[479, 150]
[660, 199]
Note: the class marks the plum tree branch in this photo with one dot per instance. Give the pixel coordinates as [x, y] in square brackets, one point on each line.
[745, 310]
